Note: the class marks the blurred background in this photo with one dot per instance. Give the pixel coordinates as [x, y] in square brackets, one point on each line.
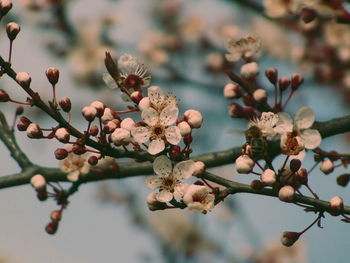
[183, 44]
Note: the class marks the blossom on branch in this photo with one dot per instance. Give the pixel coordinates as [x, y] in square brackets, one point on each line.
[198, 198]
[245, 48]
[75, 165]
[168, 179]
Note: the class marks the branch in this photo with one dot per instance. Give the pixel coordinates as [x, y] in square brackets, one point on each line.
[7, 136]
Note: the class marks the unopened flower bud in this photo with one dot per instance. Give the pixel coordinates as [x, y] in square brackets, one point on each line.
[289, 238]
[327, 166]
[194, 118]
[93, 160]
[244, 164]
[110, 126]
[89, 113]
[250, 70]
[107, 115]
[78, 150]
[23, 79]
[93, 130]
[235, 110]
[248, 100]
[294, 165]
[260, 95]
[52, 75]
[257, 184]
[144, 103]
[56, 215]
[62, 135]
[12, 30]
[336, 203]
[308, 14]
[302, 176]
[99, 106]
[4, 97]
[51, 228]
[268, 177]
[34, 131]
[188, 139]
[296, 81]
[175, 151]
[65, 104]
[153, 204]
[343, 179]
[127, 124]
[185, 128]
[61, 153]
[272, 75]
[120, 136]
[231, 91]
[199, 168]
[23, 123]
[283, 83]
[5, 6]
[286, 194]
[19, 110]
[136, 96]
[38, 182]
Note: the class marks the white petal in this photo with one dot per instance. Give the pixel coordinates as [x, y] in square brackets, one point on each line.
[180, 189]
[311, 138]
[73, 176]
[284, 124]
[155, 95]
[304, 118]
[156, 146]
[233, 57]
[150, 116]
[140, 134]
[184, 169]
[162, 166]
[169, 115]
[109, 81]
[196, 207]
[173, 135]
[164, 196]
[153, 182]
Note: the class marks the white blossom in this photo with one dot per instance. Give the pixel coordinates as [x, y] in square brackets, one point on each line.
[168, 179]
[304, 118]
[158, 118]
[121, 136]
[127, 124]
[244, 48]
[75, 165]
[129, 65]
[199, 199]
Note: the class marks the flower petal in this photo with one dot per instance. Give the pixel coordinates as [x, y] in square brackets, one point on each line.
[180, 189]
[150, 116]
[284, 123]
[164, 196]
[162, 166]
[304, 118]
[311, 138]
[184, 169]
[153, 182]
[140, 134]
[156, 95]
[233, 57]
[156, 146]
[169, 115]
[173, 135]
[73, 176]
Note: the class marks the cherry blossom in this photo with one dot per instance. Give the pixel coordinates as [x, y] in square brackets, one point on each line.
[299, 132]
[198, 198]
[75, 165]
[244, 48]
[168, 179]
[266, 123]
[162, 113]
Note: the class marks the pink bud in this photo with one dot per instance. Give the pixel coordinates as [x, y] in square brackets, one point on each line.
[289, 238]
[272, 75]
[12, 30]
[65, 104]
[286, 194]
[52, 75]
[23, 79]
[4, 97]
[89, 113]
[99, 106]
[62, 135]
[34, 131]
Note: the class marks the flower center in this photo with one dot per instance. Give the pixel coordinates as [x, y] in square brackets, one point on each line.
[133, 82]
[168, 183]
